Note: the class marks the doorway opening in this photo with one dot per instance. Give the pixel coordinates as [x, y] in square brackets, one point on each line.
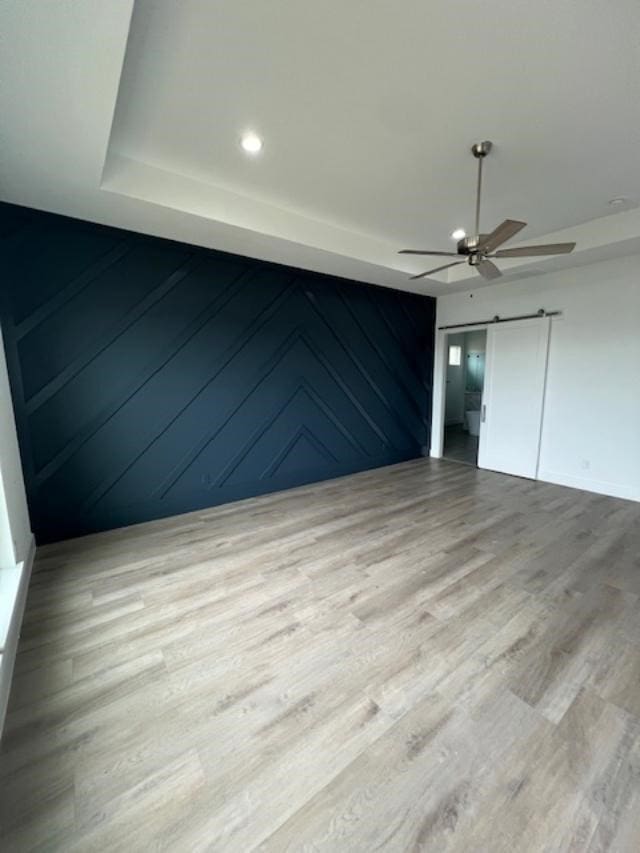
[466, 354]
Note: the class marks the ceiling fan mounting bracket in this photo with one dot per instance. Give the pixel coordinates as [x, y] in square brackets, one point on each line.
[481, 149]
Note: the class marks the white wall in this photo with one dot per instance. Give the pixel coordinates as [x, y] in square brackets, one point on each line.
[16, 540]
[15, 529]
[591, 425]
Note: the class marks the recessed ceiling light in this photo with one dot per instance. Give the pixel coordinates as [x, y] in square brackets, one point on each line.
[251, 143]
[618, 202]
[459, 233]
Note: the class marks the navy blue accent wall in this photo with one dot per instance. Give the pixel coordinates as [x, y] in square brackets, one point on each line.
[152, 378]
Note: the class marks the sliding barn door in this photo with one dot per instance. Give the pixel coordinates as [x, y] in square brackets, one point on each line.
[513, 397]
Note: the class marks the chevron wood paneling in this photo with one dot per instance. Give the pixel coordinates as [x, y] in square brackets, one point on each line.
[152, 378]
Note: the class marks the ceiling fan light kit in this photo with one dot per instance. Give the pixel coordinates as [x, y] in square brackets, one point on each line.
[477, 250]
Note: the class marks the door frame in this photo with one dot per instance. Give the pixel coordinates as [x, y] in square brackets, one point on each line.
[440, 384]
[440, 378]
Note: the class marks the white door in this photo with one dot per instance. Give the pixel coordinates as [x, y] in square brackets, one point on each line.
[515, 376]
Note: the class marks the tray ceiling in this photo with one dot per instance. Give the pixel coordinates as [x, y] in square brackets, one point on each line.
[367, 111]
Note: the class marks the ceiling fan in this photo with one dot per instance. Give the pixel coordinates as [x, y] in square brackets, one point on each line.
[478, 249]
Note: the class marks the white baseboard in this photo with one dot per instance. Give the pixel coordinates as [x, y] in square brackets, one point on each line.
[586, 484]
[14, 584]
[600, 487]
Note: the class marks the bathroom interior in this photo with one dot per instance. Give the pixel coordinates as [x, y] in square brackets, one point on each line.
[465, 382]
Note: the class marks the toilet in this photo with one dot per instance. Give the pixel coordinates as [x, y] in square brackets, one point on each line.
[473, 422]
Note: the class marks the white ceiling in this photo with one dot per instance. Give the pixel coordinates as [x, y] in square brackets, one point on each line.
[367, 109]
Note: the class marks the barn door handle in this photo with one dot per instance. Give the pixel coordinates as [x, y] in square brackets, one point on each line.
[484, 413]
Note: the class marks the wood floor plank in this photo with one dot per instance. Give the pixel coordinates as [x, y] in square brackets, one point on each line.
[421, 657]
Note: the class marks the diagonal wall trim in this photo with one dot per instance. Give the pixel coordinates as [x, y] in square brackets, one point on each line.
[324, 405]
[174, 347]
[83, 361]
[404, 307]
[260, 430]
[395, 334]
[281, 458]
[381, 316]
[343, 343]
[49, 308]
[401, 379]
[344, 386]
[277, 359]
[281, 297]
[230, 466]
[151, 378]
[267, 424]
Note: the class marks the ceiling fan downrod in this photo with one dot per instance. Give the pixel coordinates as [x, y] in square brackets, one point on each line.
[480, 151]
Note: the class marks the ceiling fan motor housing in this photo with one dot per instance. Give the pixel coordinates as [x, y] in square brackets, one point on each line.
[469, 245]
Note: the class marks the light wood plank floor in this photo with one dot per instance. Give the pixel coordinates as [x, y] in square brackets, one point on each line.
[423, 657]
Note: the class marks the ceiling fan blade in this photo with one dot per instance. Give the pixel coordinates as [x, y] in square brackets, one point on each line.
[425, 252]
[488, 269]
[530, 251]
[437, 269]
[505, 231]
